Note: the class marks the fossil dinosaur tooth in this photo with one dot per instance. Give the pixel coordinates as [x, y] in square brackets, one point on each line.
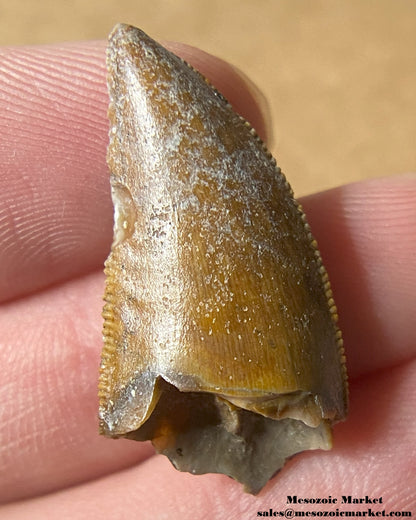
[220, 336]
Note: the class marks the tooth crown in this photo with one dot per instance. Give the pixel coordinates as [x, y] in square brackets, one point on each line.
[218, 307]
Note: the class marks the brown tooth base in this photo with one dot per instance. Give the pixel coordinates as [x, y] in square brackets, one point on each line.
[220, 336]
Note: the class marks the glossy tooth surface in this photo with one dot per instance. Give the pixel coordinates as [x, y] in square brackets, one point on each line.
[221, 344]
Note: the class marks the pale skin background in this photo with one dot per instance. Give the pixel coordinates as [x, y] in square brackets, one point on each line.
[334, 65]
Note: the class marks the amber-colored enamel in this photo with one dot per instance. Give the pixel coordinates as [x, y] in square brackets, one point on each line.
[214, 282]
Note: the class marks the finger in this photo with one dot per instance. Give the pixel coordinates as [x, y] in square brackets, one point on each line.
[55, 207]
[374, 448]
[53, 342]
[366, 233]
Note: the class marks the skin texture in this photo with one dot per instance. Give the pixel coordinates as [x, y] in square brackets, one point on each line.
[55, 232]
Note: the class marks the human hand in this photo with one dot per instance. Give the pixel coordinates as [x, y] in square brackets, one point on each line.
[55, 232]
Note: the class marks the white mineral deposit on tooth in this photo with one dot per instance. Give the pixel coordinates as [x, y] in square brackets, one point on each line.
[221, 342]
